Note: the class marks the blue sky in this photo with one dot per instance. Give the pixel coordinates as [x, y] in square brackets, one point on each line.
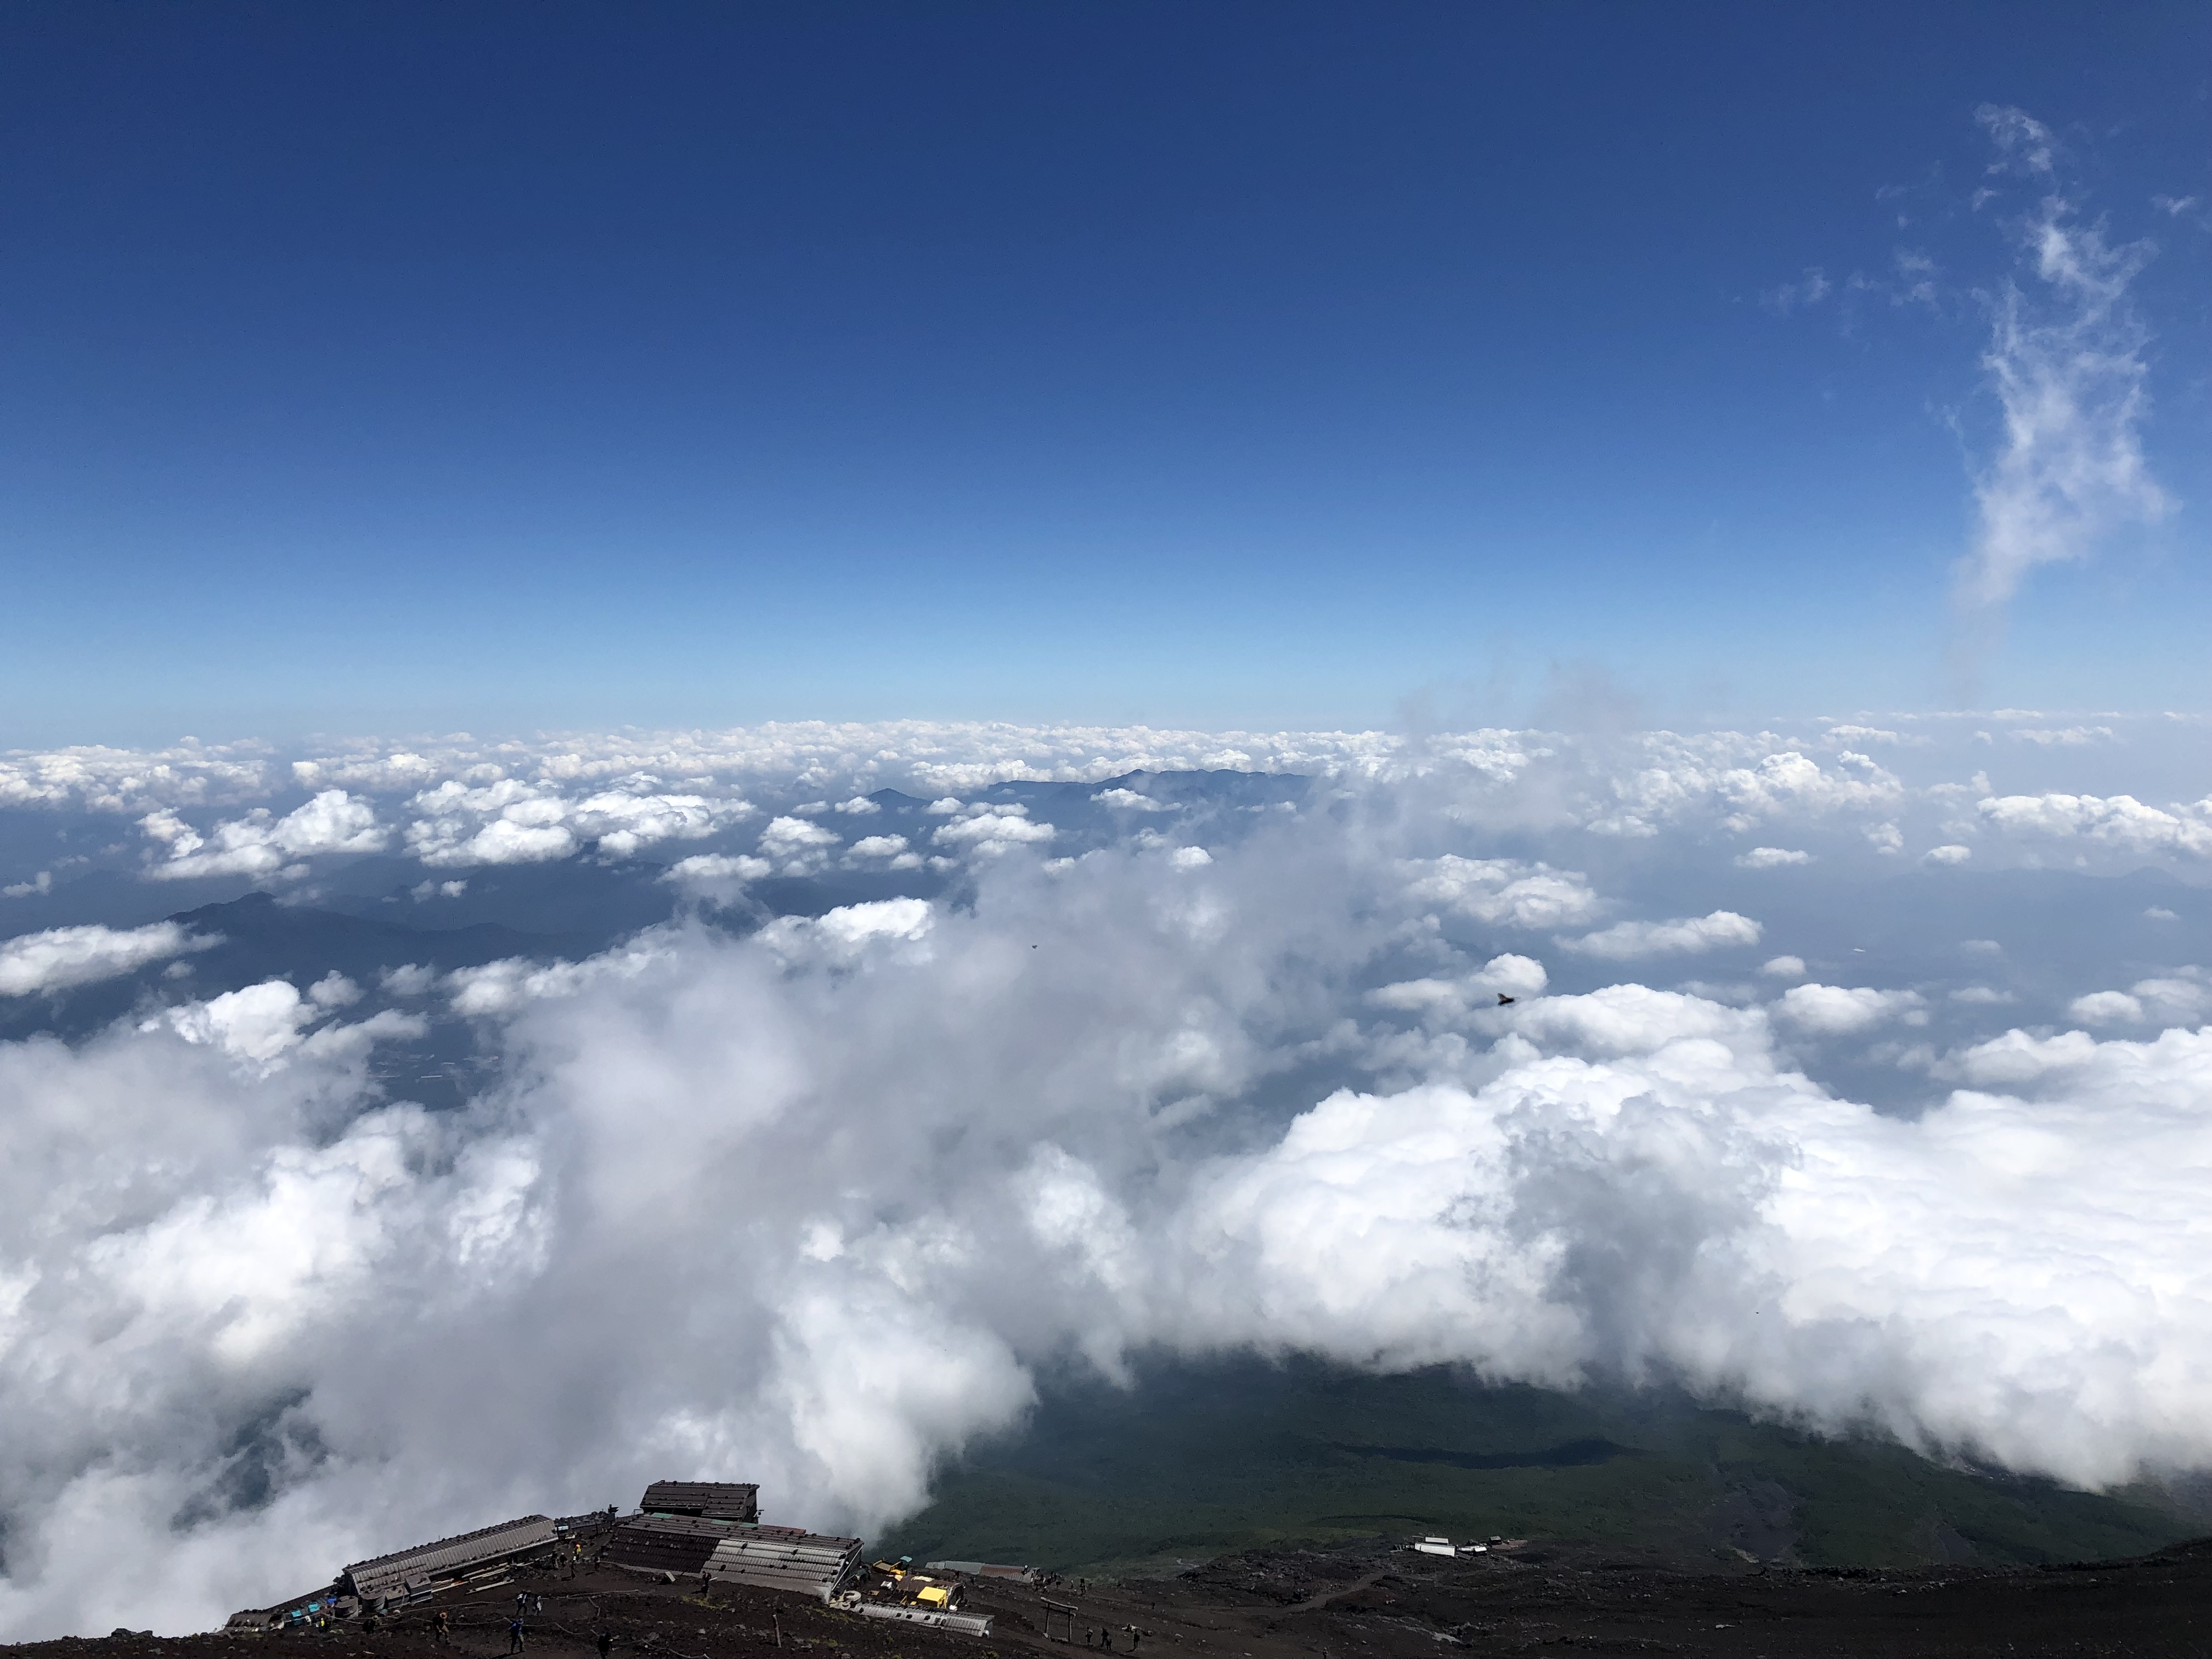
[388, 367]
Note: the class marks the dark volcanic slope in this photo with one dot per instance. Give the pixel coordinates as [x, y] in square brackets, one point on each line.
[1369, 1600]
[1201, 1458]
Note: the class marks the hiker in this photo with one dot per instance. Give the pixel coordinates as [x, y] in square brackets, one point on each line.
[606, 1643]
[514, 1634]
[441, 1628]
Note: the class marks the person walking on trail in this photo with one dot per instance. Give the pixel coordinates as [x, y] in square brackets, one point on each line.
[441, 1628]
[514, 1634]
[606, 1643]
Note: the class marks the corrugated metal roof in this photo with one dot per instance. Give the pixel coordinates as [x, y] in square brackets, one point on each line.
[695, 1526]
[724, 1500]
[967, 1624]
[656, 1547]
[383, 1574]
[778, 1557]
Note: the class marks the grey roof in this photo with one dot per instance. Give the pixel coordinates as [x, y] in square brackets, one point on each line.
[724, 1500]
[968, 1623]
[384, 1574]
[781, 1558]
[984, 1570]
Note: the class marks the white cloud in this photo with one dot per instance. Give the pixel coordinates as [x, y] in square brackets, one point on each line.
[2106, 1008]
[2068, 363]
[1450, 1000]
[1190, 858]
[1128, 800]
[1503, 890]
[505, 821]
[1840, 1010]
[1078, 1071]
[1807, 290]
[258, 1023]
[40, 884]
[2117, 822]
[1950, 854]
[988, 833]
[1569, 1186]
[706, 867]
[63, 957]
[878, 847]
[1625, 941]
[859, 806]
[262, 844]
[1770, 858]
[2182, 997]
[785, 836]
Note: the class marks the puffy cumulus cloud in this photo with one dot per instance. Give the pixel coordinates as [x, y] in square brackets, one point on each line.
[263, 844]
[1625, 941]
[1450, 1001]
[988, 832]
[1739, 782]
[814, 1150]
[509, 821]
[717, 870]
[797, 845]
[2181, 998]
[1842, 1009]
[62, 956]
[883, 846]
[2119, 823]
[895, 1100]
[1770, 858]
[133, 780]
[1503, 892]
[455, 802]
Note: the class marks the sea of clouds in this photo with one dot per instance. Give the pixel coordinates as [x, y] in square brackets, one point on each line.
[1802, 1102]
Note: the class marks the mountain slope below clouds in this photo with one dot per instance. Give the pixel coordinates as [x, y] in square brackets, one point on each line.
[1196, 1460]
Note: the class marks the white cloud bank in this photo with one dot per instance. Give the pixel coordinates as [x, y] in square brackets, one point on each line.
[62, 956]
[258, 1317]
[1625, 941]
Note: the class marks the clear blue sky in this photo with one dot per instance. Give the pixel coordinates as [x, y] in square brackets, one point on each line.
[385, 367]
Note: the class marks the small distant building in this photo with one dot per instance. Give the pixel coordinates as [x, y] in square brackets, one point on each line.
[714, 1500]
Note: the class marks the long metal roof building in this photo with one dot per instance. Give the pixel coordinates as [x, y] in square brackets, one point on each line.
[448, 1558]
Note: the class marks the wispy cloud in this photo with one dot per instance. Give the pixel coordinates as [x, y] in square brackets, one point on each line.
[2066, 360]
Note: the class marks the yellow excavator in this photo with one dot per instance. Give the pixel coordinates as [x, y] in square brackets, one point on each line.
[918, 1590]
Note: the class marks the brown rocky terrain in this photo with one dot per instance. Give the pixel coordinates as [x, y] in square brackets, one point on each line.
[1372, 1601]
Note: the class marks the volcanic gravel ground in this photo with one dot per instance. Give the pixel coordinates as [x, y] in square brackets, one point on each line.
[1361, 1602]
